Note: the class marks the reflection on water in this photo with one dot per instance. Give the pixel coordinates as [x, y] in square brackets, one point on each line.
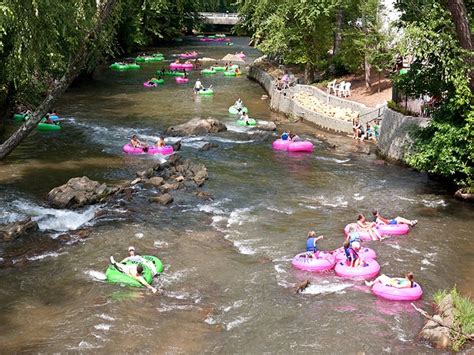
[228, 284]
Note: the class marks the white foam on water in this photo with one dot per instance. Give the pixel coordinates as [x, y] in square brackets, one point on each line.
[395, 246]
[169, 278]
[240, 215]
[160, 244]
[279, 269]
[244, 249]
[335, 202]
[102, 326]
[435, 203]
[339, 161]
[209, 320]
[139, 235]
[175, 307]
[44, 256]
[211, 208]
[216, 223]
[406, 198]
[236, 304]
[106, 317]
[426, 262]
[96, 275]
[238, 321]
[287, 211]
[314, 289]
[56, 219]
[357, 197]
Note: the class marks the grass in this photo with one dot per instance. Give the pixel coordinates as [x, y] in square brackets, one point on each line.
[463, 315]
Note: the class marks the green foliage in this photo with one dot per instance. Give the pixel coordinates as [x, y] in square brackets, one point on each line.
[463, 314]
[439, 71]
[394, 106]
[38, 38]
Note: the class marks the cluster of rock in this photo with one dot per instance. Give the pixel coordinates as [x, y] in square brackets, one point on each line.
[437, 330]
[310, 102]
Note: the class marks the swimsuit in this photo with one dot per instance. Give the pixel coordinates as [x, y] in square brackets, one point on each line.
[311, 245]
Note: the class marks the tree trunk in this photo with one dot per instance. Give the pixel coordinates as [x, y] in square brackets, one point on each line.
[308, 73]
[463, 32]
[337, 39]
[380, 78]
[59, 87]
[368, 84]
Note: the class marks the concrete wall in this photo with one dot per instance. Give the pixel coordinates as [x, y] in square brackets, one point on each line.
[282, 101]
[395, 142]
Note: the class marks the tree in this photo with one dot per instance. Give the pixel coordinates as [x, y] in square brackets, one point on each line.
[440, 70]
[76, 64]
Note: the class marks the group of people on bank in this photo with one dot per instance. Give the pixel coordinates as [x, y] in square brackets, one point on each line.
[371, 131]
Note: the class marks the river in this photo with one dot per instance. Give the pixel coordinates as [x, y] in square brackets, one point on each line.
[228, 285]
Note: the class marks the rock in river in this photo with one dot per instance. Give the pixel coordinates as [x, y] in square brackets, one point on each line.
[79, 192]
[15, 230]
[197, 126]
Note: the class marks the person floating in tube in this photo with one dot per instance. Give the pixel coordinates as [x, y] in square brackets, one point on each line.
[198, 86]
[136, 143]
[134, 271]
[245, 117]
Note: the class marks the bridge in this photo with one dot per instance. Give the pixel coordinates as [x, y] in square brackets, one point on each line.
[220, 18]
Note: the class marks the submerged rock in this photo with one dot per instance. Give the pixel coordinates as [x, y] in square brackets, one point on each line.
[78, 192]
[12, 231]
[196, 126]
[164, 199]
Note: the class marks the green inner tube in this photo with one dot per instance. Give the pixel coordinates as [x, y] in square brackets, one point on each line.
[211, 36]
[158, 55]
[20, 117]
[230, 44]
[158, 81]
[208, 71]
[234, 111]
[148, 59]
[132, 66]
[218, 68]
[200, 36]
[250, 122]
[115, 276]
[230, 73]
[206, 92]
[235, 66]
[48, 127]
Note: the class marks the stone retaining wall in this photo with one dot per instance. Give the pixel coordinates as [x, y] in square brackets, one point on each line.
[394, 142]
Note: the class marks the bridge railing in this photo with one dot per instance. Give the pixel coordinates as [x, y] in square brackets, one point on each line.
[218, 14]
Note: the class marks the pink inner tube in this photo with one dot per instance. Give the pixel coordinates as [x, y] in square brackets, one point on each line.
[300, 147]
[364, 254]
[181, 66]
[397, 294]
[321, 261]
[188, 55]
[368, 271]
[166, 150]
[149, 84]
[384, 229]
[127, 148]
[180, 79]
[280, 144]
[241, 55]
[393, 229]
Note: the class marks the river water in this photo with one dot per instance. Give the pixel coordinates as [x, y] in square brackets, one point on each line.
[228, 285]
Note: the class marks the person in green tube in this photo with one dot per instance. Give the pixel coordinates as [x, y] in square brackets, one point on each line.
[134, 271]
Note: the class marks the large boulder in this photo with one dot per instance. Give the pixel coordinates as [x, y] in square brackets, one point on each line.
[79, 192]
[266, 126]
[196, 126]
[11, 231]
